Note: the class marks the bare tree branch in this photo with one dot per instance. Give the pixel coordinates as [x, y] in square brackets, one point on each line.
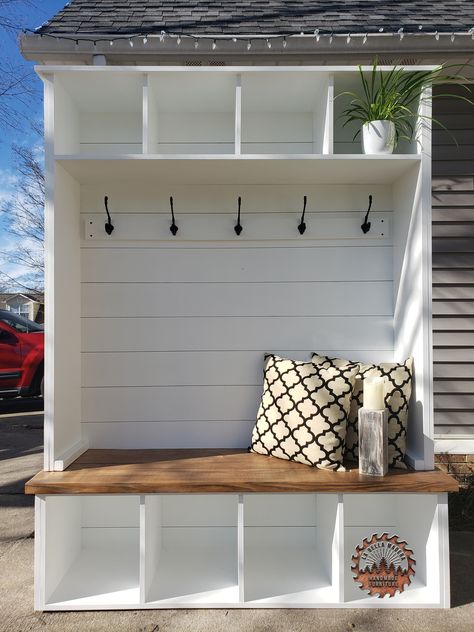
[23, 215]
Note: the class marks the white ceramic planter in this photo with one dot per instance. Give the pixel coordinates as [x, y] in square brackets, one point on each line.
[378, 137]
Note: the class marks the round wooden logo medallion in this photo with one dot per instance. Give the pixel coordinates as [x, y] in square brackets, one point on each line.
[383, 565]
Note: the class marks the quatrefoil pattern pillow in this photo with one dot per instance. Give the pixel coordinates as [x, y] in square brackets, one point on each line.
[397, 396]
[303, 412]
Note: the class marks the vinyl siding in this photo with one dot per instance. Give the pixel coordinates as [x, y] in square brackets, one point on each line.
[453, 266]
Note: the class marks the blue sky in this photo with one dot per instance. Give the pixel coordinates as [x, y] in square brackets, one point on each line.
[27, 14]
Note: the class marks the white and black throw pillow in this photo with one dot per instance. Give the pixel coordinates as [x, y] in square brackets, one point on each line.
[303, 412]
[397, 396]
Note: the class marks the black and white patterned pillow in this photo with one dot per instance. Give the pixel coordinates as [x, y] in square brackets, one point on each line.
[303, 412]
[397, 396]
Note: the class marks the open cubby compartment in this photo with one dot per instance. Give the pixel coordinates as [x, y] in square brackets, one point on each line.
[91, 551]
[345, 139]
[190, 549]
[98, 113]
[418, 519]
[291, 548]
[286, 112]
[190, 113]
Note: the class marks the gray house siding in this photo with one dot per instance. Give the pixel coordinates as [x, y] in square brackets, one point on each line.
[453, 267]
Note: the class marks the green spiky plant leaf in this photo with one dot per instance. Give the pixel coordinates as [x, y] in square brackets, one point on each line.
[395, 95]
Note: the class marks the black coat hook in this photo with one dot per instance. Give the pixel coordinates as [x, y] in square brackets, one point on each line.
[173, 227]
[366, 225]
[302, 225]
[238, 227]
[109, 227]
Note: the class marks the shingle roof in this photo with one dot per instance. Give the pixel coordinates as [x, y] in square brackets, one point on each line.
[246, 17]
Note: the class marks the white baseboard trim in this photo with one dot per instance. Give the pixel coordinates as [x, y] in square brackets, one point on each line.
[415, 462]
[69, 456]
[453, 444]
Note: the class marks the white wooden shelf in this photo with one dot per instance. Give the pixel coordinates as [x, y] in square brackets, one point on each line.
[245, 169]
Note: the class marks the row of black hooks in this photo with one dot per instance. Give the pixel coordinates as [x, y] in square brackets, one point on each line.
[238, 228]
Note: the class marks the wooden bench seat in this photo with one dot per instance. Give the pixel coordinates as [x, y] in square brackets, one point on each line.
[218, 470]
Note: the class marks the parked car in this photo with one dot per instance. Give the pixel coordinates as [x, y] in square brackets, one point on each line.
[21, 356]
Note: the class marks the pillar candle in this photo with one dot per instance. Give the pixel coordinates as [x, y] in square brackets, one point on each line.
[374, 393]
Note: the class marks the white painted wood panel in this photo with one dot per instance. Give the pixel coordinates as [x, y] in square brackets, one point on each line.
[132, 300]
[155, 368]
[199, 510]
[212, 227]
[193, 434]
[214, 334]
[127, 196]
[170, 403]
[178, 264]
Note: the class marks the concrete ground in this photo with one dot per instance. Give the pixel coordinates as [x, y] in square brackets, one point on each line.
[20, 457]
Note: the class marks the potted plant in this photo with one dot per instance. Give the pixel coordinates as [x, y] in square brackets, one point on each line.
[387, 106]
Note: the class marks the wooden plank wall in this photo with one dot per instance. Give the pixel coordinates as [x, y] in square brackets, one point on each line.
[453, 266]
[174, 334]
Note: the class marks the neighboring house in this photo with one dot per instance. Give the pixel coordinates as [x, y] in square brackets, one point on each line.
[30, 306]
[315, 32]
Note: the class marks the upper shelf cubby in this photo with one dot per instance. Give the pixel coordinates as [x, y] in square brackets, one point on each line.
[345, 140]
[98, 113]
[285, 113]
[190, 113]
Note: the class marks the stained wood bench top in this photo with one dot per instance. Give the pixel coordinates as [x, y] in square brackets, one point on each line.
[218, 470]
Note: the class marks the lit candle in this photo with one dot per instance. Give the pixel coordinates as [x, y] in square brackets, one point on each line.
[374, 393]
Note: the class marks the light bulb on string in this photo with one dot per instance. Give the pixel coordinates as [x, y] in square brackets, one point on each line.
[214, 45]
[348, 39]
[436, 36]
[145, 39]
[401, 33]
[249, 45]
[364, 41]
[130, 41]
[316, 34]
[330, 38]
[453, 37]
[234, 39]
[269, 44]
[284, 43]
[111, 43]
[196, 43]
[178, 40]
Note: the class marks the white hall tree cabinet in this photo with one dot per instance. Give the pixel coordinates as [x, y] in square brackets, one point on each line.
[170, 333]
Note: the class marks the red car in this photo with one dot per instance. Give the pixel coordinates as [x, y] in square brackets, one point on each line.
[21, 356]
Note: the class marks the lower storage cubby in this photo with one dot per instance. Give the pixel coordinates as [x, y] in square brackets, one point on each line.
[191, 549]
[419, 522]
[91, 552]
[289, 548]
[116, 551]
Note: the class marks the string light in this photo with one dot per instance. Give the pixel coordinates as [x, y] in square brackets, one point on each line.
[400, 32]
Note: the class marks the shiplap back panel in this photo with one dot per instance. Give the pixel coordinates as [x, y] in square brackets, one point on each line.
[453, 266]
[174, 333]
